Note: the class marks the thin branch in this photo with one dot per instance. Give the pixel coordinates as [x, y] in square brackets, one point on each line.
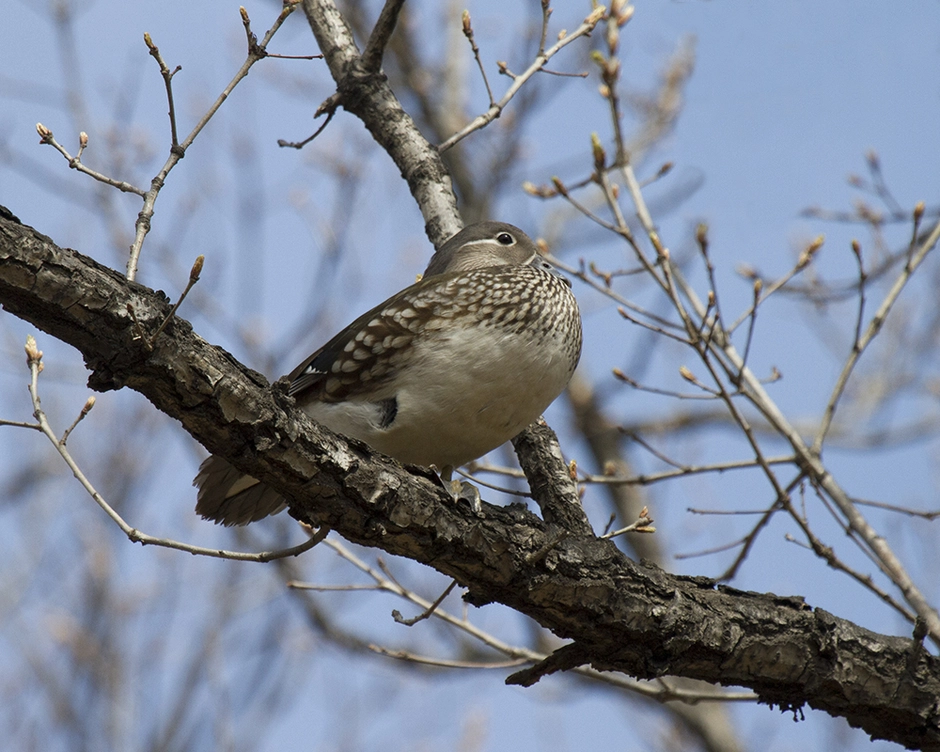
[565, 74]
[862, 279]
[709, 551]
[381, 33]
[645, 479]
[256, 52]
[86, 408]
[750, 539]
[193, 279]
[580, 274]
[878, 182]
[621, 376]
[827, 554]
[856, 217]
[496, 110]
[546, 14]
[859, 346]
[34, 360]
[46, 137]
[168, 82]
[509, 472]
[407, 655]
[428, 611]
[20, 424]
[915, 229]
[758, 286]
[725, 512]
[649, 448]
[297, 585]
[494, 487]
[643, 524]
[810, 461]
[468, 33]
[655, 328]
[329, 107]
[802, 263]
[927, 515]
[660, 690]
[701, 240]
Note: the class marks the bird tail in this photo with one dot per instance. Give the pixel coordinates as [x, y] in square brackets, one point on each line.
[230, 497]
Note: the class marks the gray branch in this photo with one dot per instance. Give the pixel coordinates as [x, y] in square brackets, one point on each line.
[365, 93]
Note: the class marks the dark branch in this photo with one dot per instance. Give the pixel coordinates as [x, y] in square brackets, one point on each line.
[553, 488]
[624, 616]
[375, 47]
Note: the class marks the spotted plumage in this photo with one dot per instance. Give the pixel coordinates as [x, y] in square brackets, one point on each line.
[440, 373]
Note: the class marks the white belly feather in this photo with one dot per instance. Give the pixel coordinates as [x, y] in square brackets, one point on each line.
[459, 400]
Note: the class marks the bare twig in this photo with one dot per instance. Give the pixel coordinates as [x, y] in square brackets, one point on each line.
[496, 109]
[546, 14]
[428, 611]
[713, 550]
[20, 424]
[616, 297]
[878, 181]
[758, 286]
[407, 655]
[86, 408]
[827, 554]
[46, 137]
[769, 289]
[381, 33]
[168, 82]
[494, 487]
[621, 376]
[645, 479]
[924, 514]
[660, 690]
[34, 360]
[193, 279]
[329, 107]
[655, 328]
[643, 524]
[701, 240]
[731, 362]
[856, 217]
[256, 52]
[750, 539]
[468, 33]
[861, 343]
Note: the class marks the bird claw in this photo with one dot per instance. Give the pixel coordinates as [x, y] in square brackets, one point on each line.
[462, 490]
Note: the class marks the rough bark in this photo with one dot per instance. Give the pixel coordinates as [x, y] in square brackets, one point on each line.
[620, 615]
[363, 90]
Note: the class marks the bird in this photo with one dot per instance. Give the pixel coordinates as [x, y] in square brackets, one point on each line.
[439, 374]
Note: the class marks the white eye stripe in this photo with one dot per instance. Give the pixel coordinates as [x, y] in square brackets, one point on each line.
[492, 243]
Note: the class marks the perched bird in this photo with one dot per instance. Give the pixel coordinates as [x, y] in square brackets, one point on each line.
[440, 373]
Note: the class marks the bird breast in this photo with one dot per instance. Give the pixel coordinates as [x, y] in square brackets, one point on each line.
[485, 365]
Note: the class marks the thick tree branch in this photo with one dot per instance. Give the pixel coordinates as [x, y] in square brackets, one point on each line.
[364, 91]
[553, 488]
[623, 616]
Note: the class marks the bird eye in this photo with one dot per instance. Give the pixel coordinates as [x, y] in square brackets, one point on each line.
[504, 238]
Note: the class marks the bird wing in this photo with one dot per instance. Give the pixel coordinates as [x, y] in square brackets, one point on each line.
[367, 353]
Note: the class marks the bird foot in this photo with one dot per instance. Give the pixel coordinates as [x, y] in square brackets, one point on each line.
[462, 490]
